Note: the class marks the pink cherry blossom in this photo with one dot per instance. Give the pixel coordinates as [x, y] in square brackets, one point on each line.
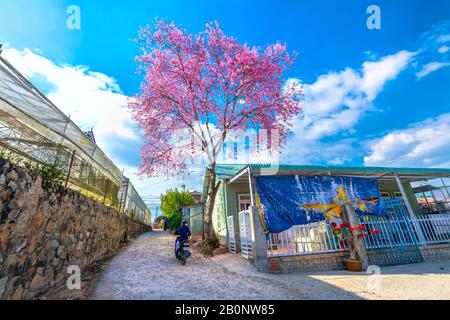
[197, 82]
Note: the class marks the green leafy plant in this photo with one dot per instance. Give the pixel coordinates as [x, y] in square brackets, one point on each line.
[171, 205]
[55, 172]
[174, 220]
[49, 173]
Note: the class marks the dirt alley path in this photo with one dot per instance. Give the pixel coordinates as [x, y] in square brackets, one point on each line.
[147, 269]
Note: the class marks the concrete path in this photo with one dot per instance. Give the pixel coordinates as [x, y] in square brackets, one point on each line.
[147, 269]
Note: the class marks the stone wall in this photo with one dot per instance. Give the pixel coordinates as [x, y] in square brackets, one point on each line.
[45, 228]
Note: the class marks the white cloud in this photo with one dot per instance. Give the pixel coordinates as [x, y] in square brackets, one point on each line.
[424, 144]
[443, 49]
[95, 99]
[430, 67]
[150, 189]
[339, 161]
[337, 100]
[377, 73]
[443, 38]
[334, 104]
[433, 49]
[92, 99]
[315, 152]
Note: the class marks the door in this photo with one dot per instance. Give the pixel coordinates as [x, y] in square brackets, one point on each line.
[245, 234]
[231, 235]
[244, 202]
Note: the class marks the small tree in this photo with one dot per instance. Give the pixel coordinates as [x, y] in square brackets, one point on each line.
[171, 204]
[206, 85]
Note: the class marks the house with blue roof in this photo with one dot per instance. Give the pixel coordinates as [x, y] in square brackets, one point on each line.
[296, 207]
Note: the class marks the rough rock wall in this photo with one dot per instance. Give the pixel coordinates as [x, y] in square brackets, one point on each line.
[45, 228]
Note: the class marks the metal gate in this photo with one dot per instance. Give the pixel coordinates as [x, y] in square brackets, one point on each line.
[245, 234]
[397, 243]
[231, 234]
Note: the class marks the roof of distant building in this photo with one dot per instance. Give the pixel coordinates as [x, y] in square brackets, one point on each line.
[90, 135]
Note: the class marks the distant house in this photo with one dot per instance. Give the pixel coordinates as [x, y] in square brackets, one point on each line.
[90, 135]
[197, 196]
[194, 214]
[407, 224]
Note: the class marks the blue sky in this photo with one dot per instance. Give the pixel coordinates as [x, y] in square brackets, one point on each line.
[374, 97]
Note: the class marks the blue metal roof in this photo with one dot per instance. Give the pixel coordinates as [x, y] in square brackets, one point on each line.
[228, 171]
[290, 167]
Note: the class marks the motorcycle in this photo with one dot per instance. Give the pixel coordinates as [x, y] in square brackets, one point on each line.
[183, 251]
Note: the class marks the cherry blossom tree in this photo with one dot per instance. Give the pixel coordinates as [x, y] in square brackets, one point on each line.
[206, 85]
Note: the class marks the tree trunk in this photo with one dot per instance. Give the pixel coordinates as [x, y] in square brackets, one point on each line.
[211, 242]
[358, 249]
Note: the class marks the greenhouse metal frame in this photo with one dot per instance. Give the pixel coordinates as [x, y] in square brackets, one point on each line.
[33, 129]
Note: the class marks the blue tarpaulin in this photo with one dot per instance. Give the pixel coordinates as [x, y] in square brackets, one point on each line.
[295, 200]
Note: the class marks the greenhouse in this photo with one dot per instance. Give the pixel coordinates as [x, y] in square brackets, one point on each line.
[35, 132]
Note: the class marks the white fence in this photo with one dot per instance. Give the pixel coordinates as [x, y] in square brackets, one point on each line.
[396, 231]
[231, 235]
[435, 228]
[304, 239]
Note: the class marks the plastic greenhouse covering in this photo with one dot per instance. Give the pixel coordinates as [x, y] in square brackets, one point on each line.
[33, 129]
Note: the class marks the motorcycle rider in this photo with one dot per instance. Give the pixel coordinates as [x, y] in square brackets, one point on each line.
[183, 234]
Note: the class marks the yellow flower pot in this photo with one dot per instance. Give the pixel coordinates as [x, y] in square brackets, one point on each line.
[353, 265]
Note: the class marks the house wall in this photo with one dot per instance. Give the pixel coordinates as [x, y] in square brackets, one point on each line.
[233, 192]
[223, 209]
[232, 204]
[196, 219]
[219, 217]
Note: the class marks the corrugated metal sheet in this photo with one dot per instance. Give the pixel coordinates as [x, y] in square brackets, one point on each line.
[355, 169]
[228, 171]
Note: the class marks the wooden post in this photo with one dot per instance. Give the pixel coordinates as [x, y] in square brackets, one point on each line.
[352, 219]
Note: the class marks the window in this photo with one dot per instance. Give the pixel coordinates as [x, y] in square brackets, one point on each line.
[384, 195]
[244, 202]
[398, 194]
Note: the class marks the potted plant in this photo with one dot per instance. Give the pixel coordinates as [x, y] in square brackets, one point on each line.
[347, 236]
